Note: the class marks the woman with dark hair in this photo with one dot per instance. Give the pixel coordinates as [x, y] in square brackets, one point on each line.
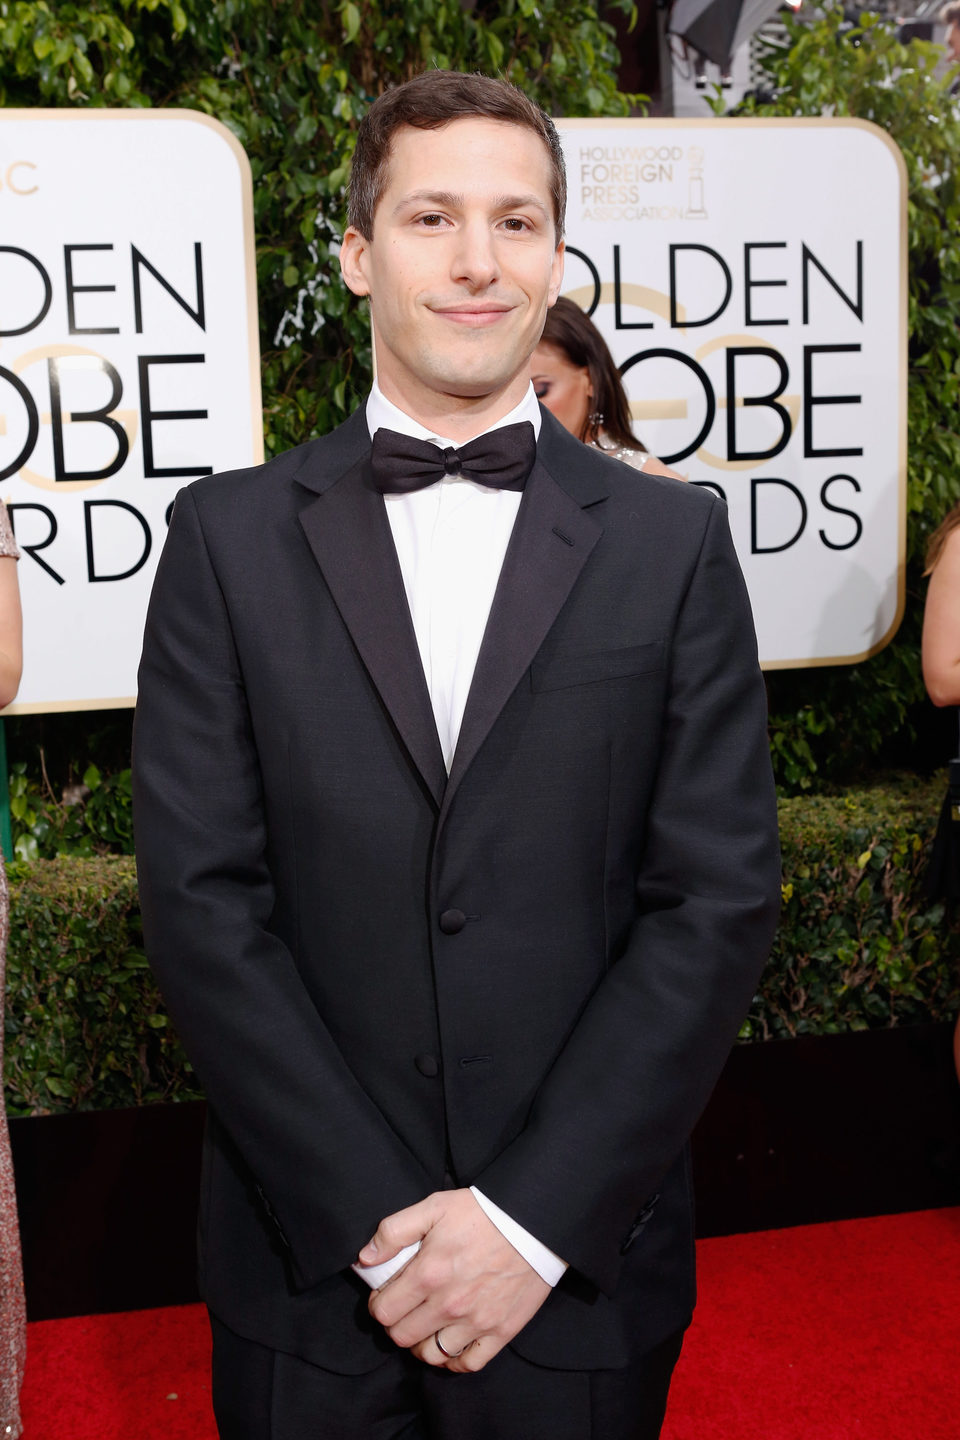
[575, 378]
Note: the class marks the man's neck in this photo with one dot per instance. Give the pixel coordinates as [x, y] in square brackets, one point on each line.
[458, 418]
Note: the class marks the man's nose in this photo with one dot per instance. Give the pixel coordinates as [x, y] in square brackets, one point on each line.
[475, 257]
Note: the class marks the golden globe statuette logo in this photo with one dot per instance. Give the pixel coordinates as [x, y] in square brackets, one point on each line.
[696, 210]
[60, 361]
[13, 180]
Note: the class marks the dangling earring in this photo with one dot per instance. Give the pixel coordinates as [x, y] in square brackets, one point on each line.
[595, 422]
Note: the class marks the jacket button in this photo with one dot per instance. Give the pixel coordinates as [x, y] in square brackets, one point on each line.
[428, 1065]
[452, 922]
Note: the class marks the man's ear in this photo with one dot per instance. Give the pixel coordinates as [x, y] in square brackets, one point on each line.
[556, 274]
[353, 257]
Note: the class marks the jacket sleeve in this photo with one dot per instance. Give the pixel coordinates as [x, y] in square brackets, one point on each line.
[627, 1088]
[327, 1164]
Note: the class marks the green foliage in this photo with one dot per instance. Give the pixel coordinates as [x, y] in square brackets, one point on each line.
[860, 946]
[53, 53]
[292, 78]
[94, 819]
[832, 724]
[85, 1027]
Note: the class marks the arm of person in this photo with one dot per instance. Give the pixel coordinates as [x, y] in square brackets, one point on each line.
[11, 630]
[639, 1066]
[626, 1090]
[941, 626]
[326, 1161]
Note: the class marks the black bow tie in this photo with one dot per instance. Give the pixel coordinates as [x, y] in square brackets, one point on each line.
[502, 459]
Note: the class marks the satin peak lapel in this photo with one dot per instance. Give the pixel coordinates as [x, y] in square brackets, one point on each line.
[349, 534]
[550, 545]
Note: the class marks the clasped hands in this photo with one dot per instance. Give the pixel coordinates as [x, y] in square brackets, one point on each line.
[466, 1281]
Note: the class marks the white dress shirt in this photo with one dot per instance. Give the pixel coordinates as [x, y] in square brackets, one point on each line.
[451, 538]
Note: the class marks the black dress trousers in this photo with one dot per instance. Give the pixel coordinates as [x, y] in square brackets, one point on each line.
[262, 1394]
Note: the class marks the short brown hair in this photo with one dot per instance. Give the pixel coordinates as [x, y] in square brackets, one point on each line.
[950, 14]
[428, 102]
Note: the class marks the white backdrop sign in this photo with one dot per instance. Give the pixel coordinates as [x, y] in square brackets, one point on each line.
[129, 365]
[750, 279]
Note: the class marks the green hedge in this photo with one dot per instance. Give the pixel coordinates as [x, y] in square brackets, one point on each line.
[85, 1026]
[859, 947]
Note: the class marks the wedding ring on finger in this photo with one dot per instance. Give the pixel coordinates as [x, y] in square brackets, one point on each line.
[450, 1354]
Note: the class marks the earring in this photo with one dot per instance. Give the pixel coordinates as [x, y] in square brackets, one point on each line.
[595, 421]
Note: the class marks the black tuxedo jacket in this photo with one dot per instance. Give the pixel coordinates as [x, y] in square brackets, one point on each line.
[527, 975]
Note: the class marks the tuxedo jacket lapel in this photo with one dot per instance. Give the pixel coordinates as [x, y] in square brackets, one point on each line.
[551, 542]
[349, 533]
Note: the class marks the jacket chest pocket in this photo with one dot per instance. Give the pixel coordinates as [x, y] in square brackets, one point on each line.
[560, 672]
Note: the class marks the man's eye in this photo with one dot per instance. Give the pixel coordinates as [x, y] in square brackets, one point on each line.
[432, 221]
[515, 224]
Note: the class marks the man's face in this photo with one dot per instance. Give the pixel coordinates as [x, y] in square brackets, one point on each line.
[462, 265]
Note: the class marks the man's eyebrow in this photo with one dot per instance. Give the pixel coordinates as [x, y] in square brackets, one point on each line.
[449, 200]
[443, 199]
[520, 202]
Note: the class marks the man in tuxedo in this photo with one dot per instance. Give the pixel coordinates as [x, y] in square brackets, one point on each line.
[457, 848]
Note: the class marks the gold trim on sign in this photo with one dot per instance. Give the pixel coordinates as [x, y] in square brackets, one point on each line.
[101, 116]
[808, 122]
[53, 707]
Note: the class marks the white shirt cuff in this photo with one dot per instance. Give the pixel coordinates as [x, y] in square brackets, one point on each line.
[547, 1265]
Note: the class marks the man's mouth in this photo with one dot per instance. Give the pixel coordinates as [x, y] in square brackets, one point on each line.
[473, 316]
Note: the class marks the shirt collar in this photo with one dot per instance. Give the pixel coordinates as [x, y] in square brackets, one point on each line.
[382, 413]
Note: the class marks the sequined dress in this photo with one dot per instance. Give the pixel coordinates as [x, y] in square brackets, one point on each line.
[13, 1318]
[637, 458]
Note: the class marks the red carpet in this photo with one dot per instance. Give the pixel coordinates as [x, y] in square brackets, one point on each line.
[143, 1375]
[848, 1331]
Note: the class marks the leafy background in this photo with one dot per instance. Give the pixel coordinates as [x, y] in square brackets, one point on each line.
[838, 724]
[291, 78]
[861, 945]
